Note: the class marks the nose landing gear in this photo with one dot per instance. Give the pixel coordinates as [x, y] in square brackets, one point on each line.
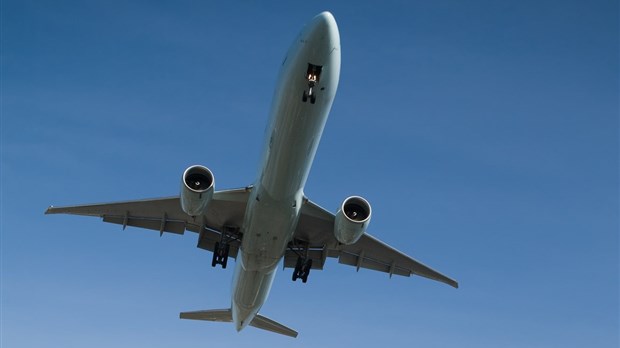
[307, 94]
[313, 74]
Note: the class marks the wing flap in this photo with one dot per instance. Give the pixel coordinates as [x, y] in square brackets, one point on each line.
[161, 225]
[369, 263]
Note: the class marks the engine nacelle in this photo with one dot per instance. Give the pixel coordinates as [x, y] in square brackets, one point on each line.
[197, 187]
[352, 219]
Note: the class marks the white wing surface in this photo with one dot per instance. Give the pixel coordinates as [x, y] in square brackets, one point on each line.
[315, 232]
[225, 213]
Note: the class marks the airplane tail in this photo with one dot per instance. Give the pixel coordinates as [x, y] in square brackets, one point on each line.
[225, 316]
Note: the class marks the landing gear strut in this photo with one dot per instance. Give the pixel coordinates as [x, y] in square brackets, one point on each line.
[302, 269]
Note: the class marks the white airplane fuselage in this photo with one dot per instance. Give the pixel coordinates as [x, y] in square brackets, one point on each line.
[291, 141]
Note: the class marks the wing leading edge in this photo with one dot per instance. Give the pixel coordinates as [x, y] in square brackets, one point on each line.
[225, 214]
[316, 227]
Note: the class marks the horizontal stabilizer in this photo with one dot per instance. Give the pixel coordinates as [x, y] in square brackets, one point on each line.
[265, 323]
[220, 315]
[225, 316]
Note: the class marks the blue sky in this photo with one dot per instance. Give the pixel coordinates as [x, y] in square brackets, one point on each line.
[484, 134]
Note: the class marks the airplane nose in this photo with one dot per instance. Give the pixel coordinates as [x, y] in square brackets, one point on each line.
[323, 27]
[324, 19]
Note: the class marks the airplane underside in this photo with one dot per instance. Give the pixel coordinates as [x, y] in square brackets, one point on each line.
[272, 221]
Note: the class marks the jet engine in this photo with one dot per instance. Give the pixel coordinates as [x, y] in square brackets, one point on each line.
[352, 219]
[197, 186]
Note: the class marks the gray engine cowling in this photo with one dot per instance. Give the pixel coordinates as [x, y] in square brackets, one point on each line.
[197, 187]
[352, 219]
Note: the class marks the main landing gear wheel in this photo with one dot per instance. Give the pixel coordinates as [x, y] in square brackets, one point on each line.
[220, 254]
[302, 269]
[306, 94]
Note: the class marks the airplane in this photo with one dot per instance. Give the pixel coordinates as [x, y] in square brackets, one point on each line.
[272, 221]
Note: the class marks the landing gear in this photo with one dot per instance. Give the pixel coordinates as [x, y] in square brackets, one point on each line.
[305, 96]
[302, 269]
[304, 262]
[312, 75]
[221, 249]
[220, 254]
[310, 92]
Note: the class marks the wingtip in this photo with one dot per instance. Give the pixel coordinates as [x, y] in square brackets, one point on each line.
[453, 283]
[49, 210]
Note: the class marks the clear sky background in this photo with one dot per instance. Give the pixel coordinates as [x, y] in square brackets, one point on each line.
[484, 133]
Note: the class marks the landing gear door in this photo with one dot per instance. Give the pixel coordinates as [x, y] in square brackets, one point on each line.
[314, 73]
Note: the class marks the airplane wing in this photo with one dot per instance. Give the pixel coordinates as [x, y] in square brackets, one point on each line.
[226, 210]
[316, 230]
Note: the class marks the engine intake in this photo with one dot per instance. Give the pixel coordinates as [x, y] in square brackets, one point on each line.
[197, 187]
[352, 219]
